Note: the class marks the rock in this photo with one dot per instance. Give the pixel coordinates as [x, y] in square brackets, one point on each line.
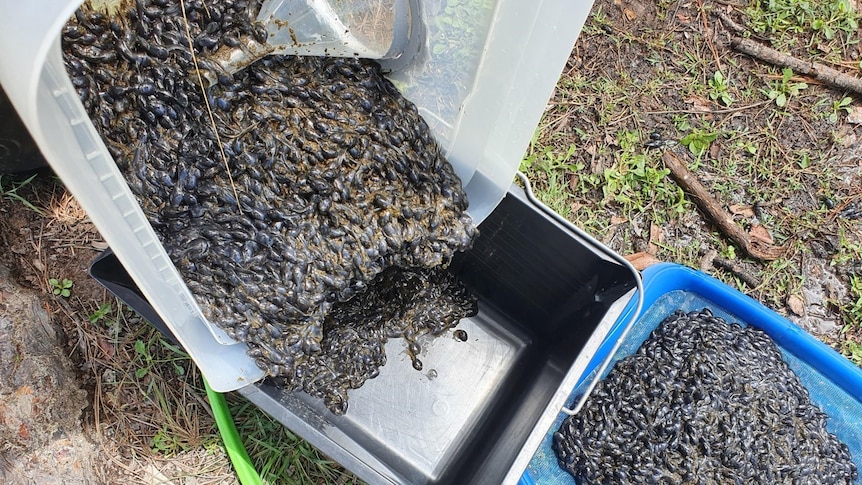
[41, 400]
[796, 304]
[855, 115]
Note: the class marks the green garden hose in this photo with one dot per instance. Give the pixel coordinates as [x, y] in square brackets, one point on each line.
[245, 471]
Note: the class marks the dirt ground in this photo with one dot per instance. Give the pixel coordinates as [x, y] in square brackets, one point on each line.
[43, 397]
[44, 393]
[70, 413]
[643, 79]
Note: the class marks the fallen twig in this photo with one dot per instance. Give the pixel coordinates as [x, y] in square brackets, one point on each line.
[710, 112]
[825, 74]
[711, 259]
[709, 206]
[738, 270]
[729, 23]
[708, 36]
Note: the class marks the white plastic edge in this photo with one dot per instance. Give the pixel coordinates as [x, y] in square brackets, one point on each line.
[498, 120]
[36, 83]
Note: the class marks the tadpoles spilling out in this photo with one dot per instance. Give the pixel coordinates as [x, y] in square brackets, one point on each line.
[334, 179]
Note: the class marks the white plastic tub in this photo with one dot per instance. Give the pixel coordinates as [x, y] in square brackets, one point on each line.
[373, 29]
[494, 88]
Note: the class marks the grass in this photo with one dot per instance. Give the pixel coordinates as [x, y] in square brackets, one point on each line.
[155, 397]
[766, 142]
[556, 168]
[280, 456]
[830, 23]
[147, 385]
[10, 188]
[781, 90]
[852, 311]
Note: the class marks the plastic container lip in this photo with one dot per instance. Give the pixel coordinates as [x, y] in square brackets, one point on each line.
[662, 278]
[485, 140]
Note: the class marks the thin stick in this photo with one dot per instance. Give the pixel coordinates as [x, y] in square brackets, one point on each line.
[729, 22]
[738, 270]
[825, 74]
[209, 108]
[711, 208]
[710, 112]
[708, 36]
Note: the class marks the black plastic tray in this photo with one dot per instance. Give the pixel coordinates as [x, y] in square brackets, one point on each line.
[547, 298]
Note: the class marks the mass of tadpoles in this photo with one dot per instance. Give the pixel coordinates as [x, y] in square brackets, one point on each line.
[279, 192]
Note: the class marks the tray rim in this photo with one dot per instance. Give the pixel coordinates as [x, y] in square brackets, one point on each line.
[662, 278]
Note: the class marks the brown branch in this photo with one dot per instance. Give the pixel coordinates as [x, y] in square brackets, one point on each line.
[737, 269]
[824, 74]
[729, 23]
[710, 207]
[708, 36]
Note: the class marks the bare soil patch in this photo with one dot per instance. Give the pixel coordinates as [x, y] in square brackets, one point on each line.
[778, 151]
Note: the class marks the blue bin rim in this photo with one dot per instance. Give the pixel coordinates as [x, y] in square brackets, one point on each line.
[662, 278]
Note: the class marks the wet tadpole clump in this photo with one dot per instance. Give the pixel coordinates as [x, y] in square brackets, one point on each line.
[706, 402]
[280, 192]
[406, 303]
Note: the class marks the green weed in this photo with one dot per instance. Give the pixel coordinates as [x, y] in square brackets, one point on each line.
[852, 313]
[728, 252]
[167, 443]
[598, 22]
[698, 142]
[61, 287]
[853, 351]
[839, 106]
[101, 314]
[556, 170]
[819, 20]
[781, 90]
[718, 89]
[147, 360]
[638, 181]
[849, 251]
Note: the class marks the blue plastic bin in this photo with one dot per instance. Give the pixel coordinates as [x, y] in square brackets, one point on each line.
[833, 382]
